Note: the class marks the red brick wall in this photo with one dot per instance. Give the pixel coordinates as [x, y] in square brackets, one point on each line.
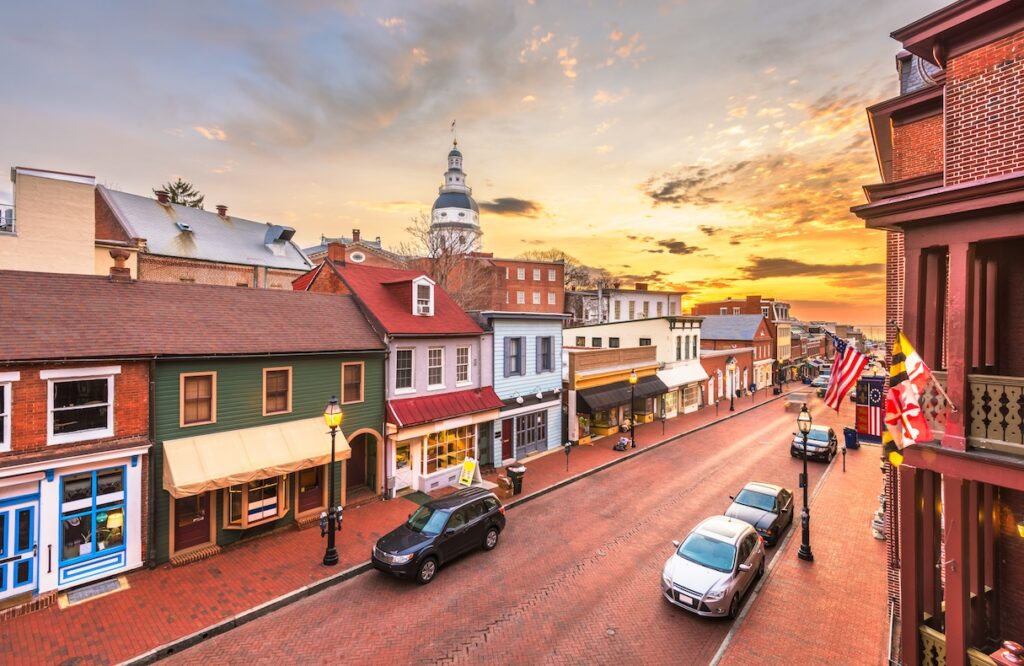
[513, 284]
[107, 226]
[1010, 564]
[328, 282]
[985, 111]
[917, 148]
[29, 415]
[155, 268]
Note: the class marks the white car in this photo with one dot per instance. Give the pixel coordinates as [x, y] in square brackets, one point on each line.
[714, 567]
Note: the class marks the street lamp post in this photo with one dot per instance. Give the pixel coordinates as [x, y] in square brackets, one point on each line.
[803, 422]
[632, 409]
[731, 367]
[333, 417]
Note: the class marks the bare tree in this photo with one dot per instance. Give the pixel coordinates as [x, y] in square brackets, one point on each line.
[577, 275]
[450, 261]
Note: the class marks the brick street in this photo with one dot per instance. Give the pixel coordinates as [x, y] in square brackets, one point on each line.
[574, 579]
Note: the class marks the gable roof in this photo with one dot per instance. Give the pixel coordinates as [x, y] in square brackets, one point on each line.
[730, 327]
[60, 316]
[232, 240]
[381, 291]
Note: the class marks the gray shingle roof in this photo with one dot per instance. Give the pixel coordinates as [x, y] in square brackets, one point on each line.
[233, 240]
[730, 327]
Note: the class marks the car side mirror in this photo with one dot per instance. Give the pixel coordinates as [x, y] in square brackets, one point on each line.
[744, 567]
[732, 498]
[450, 531]
[675, 543]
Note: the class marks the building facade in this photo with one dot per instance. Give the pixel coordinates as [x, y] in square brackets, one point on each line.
[951, 157]
[677, 341]
[725, 332]
[779, 320]
[603, 306]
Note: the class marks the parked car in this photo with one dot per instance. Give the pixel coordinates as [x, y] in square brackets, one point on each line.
[768, 508]
[438, 532]
[820, 382]
[713, 567]
[822, 444]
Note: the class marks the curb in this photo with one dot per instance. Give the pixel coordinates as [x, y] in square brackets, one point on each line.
[179, 644]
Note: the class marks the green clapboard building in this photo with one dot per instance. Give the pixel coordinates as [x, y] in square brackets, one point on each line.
[240, 444]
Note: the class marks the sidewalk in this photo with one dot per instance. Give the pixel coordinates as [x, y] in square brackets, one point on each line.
[169, 603]
[832, 610]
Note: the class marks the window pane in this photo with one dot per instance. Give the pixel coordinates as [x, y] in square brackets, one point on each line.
[110, 481]
[352, 387]
[23, 572]
[77, 486]
[235, 505]
[3, 534]
[198, 399]
[277, 391]
[79, 393]
[188, 510]
[77, 420]
[77, 536]
[24, 539]
[109, 527]
[403, 368]
[309, 479]
[263, 499]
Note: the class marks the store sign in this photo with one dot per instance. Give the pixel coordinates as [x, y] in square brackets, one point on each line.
[468, 472]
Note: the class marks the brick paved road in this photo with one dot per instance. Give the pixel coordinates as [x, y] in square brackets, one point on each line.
[574, 579]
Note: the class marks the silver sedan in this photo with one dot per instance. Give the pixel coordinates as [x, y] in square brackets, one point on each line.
[714, 567]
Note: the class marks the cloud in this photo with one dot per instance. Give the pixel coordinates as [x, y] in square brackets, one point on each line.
[603, 149]
[603, 97]
[778, 267]
[690, 184]
[392, 22]
[528, 99]
[709, 230]
[211, 133]
[420, 55]
[534, 43]
[737, 112]
[512, 207]
[567, 60]
[676, 247]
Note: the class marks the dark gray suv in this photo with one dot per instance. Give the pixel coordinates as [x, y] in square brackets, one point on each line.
[438, 532]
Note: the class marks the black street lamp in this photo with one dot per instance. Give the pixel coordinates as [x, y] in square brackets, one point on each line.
[803, 422]
[632, 409]
[333, 417]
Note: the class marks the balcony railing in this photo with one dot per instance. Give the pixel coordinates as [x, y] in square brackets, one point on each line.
[933, 405]
[933, 650]
[997, 410]
[6, 218]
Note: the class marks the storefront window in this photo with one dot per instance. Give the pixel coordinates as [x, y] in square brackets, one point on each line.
[256, 502]
[92, 514]
[449, 448]
[584, 425]
[531, 428]
[403, 456]
[671, 402]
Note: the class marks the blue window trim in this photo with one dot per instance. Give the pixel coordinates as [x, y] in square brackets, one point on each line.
[91, 512]
[32, 537]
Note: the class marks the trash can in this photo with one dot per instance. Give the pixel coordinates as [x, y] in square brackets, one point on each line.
[777, 390]
[516, 474]
[851, 438]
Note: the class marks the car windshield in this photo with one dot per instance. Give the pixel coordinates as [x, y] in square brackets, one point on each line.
[427, 521]
[756, 500]
[707, 552]
[820, 435]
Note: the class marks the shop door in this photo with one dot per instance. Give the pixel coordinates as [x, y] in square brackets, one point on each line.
[311, 488]
[356, 473]
[191, 521]
[506, 439]
[18, 563]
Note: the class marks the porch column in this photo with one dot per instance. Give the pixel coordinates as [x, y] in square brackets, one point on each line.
[958, 342]
[910, 549]
[976, 547]
[929, 553]
[990, 314]
[912, 294]
[930, 340]
[957, 567]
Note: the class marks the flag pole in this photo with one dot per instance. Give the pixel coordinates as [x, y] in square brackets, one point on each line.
[938, 386]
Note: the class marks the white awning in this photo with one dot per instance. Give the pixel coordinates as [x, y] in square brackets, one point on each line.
[683, 374]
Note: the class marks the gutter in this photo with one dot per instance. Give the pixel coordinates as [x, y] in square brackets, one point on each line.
[151, 514]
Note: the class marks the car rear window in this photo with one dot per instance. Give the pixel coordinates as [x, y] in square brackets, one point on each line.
[708, 552]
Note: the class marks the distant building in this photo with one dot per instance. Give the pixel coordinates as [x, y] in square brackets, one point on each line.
[603, 306]
[779, 320]
[740, 332]
[358, 250]
[455, 213]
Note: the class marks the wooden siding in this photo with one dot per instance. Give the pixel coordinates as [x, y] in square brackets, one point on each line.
[240, 405]
[531, 382]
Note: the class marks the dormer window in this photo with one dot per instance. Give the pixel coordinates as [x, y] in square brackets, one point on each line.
[423, 297]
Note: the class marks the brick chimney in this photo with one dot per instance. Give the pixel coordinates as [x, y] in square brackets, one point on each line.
[163, 197]
[119, 272]
[222, 210]
[355, 235]
[640, 286]
[336, 252]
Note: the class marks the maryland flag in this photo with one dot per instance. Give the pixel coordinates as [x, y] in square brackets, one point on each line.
[904, 421]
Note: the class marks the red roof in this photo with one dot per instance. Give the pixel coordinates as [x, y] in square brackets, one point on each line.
[413, 411]
[300, 283]
[387, 294]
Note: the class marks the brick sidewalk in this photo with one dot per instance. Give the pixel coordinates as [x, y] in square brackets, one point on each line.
[169, 603]
[831, 611]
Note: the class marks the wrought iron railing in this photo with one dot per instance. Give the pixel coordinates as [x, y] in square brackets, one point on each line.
[997, 412]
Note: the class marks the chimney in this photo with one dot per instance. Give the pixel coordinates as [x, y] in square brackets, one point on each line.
[222, 210]
[640, 286]
[119, 272]
[336, 252]
[163, 197]
[355, 235]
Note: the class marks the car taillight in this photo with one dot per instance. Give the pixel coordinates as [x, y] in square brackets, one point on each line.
[502, 509]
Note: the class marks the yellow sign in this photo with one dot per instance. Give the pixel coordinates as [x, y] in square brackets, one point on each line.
[468, 472]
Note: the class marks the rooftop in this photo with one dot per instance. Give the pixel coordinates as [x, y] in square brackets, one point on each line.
[730, 327]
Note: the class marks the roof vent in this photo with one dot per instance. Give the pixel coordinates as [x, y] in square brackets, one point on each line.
[278, 234]
[184, 226]
[222, 210]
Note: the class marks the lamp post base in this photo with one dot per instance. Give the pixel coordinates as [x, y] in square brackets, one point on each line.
[805, 553]
[330, 557]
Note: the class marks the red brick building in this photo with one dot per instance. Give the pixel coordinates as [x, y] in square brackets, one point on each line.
[726, 369]
[950, 149]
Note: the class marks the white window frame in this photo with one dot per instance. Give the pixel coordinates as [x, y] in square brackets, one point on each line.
[468, 365]
[418, 308]
[79, 374]
[723, 310]
[520, 273]
[552, 300]
[7, 380]
[551, 275]
[430, 367]
[520, 297]
[536, 298]
[411, 388]
[536, 275]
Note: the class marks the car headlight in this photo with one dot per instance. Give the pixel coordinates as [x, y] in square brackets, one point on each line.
[715, 594]
[400, 559]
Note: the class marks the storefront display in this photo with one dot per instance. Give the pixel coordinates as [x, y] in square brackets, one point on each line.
[449, 448]
[92, 515]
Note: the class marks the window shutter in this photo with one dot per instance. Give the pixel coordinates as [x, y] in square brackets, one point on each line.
[540, 361]
[522, 356]
[507, 360]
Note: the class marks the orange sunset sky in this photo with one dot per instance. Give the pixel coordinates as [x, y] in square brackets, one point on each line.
[713, 147]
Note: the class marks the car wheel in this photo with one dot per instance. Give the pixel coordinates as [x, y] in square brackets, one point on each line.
[734, 607]
[427, 570]
[491, 540]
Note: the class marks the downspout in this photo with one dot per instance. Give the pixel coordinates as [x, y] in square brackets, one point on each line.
[386, 495]
[151, 518]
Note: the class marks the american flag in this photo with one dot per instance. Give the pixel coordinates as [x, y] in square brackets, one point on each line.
[846, 369]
